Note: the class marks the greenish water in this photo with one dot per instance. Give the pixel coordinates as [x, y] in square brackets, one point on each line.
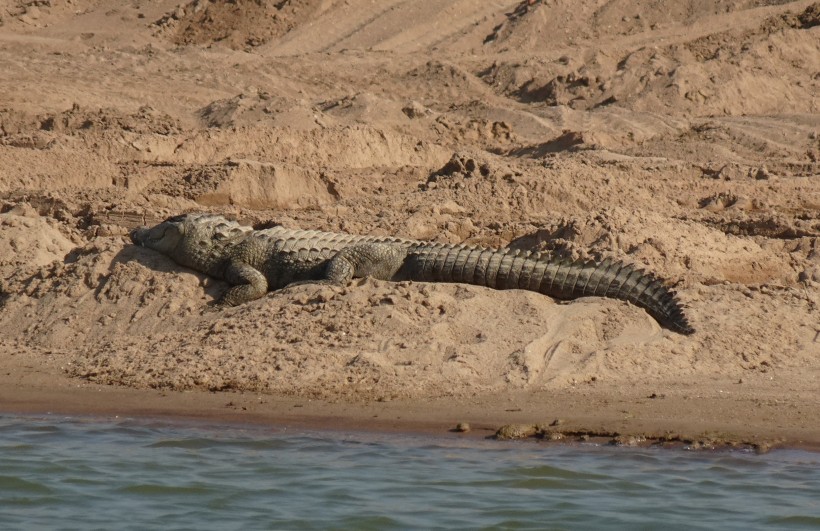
[69, 473]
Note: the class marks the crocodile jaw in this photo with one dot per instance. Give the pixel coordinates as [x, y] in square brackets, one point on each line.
[164, 237]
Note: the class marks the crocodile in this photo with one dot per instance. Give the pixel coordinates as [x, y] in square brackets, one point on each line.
[253, 262]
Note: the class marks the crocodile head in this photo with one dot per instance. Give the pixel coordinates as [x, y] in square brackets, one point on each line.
[164, 237]
[192, 240]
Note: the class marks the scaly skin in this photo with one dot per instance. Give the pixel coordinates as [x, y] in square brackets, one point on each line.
[256, 261]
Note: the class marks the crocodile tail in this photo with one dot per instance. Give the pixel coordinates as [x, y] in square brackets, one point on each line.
[556, 277]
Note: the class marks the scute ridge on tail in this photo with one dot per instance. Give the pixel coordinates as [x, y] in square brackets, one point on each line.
[559, 277]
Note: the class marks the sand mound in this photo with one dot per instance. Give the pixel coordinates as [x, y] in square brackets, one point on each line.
[238, 24]
[32, 241]
[376, 339]
[372, 339]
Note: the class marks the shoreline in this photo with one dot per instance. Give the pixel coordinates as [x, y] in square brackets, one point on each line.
[567, 418]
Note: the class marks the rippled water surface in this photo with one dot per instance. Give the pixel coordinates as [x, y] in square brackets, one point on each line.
[64, 473]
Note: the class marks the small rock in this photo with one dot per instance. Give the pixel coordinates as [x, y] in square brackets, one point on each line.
[23, 210]
[730, 172]
[462, 427]
[450, 207]
[740, 203]
[718, 202]
[763, 174]
[415, 110]
[811, 273]
[628, 440]
[553, 436]
[516, 431]
[762, 447]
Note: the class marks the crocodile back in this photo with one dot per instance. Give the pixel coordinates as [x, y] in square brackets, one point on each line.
[290, 240]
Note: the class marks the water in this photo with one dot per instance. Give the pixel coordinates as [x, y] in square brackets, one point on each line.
[64, 473]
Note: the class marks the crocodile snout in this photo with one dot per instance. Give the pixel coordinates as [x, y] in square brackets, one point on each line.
[138, 235]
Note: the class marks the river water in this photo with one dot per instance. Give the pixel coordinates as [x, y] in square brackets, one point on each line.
[75, 473]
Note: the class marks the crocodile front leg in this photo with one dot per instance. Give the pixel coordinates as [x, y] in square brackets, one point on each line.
[247, 284]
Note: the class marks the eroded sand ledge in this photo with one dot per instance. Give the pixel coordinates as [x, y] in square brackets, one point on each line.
[591, 129]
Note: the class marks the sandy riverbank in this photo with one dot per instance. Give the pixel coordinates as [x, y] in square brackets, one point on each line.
[730, 418]
[683, 139]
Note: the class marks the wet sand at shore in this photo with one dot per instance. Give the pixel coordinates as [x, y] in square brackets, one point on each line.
[633, 418]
